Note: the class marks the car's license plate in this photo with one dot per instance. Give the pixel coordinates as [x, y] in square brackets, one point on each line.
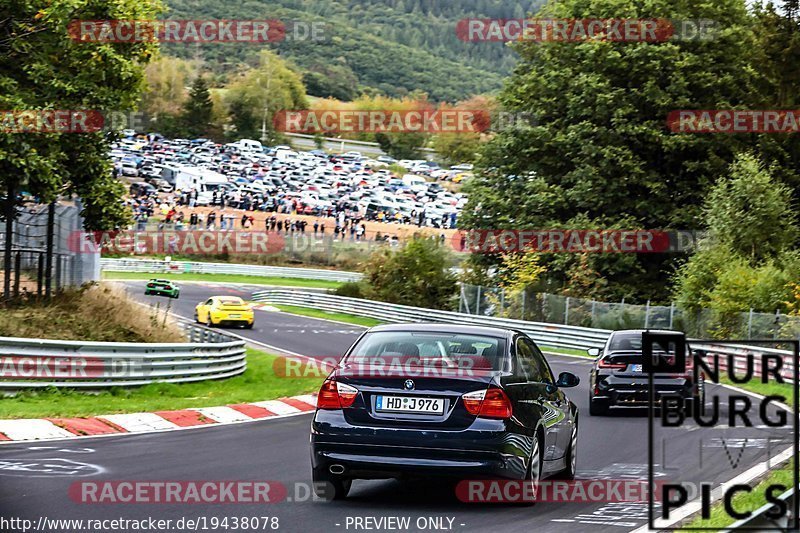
[409, 404]
[636, 368]
[235, 316]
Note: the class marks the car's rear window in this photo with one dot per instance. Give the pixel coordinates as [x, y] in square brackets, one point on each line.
[428, 349]
[626, 342]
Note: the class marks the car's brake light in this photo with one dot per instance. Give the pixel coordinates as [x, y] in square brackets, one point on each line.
[605, 363]
[335, 395]
[490, 403]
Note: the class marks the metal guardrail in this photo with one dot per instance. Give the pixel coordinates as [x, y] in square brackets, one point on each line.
[186, 267]
[38, 363]
[546, 334]
[555, 335]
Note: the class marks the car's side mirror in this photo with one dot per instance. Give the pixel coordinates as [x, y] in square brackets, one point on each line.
[594, 352]
[567, 380]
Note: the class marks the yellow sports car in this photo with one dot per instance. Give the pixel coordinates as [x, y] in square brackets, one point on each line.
[224, 310]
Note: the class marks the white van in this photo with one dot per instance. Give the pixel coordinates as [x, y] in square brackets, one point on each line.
[249, 146]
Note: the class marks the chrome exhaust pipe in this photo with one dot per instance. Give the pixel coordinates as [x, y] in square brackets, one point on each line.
[336, 469]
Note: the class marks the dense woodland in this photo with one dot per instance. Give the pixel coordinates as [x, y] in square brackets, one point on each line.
[391, 47]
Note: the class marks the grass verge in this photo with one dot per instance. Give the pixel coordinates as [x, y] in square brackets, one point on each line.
[228, 278]
[746, 501]
[341, 317]
[259, 382]
[565, 351]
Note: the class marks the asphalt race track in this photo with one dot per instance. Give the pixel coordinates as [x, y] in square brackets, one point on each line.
[35, 477]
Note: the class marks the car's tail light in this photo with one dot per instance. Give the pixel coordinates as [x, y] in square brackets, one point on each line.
[335, 395]
[605, 363]
[490, 403]
[150, 285]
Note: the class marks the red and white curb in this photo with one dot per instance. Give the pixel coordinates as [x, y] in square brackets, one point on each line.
[31, 429]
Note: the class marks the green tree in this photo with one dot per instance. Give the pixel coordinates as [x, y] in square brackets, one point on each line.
[261, 92]
[417, 275]
[198, 109]
[600, 146]
[749, 213]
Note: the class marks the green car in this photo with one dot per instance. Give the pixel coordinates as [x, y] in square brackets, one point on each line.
[162, 287]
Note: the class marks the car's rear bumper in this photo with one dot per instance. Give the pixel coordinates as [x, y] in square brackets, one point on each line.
[485, 450]
[638, 394]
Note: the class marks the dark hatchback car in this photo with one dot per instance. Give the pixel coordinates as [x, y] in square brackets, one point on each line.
[465, 402]
[617, 378]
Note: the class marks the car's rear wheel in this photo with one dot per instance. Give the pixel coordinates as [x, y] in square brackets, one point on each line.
[248, 326]
[572, 457]
[331, 488]
[534, 474]
[597, 408]
[209, 322]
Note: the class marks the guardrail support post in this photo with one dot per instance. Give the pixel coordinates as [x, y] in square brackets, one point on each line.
[671, 313]
[647, 315]
[478, 301]
[17, 271]
[566, 312]
[750, 324]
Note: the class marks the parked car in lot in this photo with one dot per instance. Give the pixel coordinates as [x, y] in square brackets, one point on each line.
[162, 287]
[139, 188]
[442, 399]
[617, 378]
[224, 311]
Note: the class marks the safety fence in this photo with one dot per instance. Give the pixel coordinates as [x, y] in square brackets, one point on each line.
[558, 309]
[39, 363]
[185, 267]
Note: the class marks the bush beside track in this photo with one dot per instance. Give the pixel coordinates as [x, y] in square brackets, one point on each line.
[93, 313]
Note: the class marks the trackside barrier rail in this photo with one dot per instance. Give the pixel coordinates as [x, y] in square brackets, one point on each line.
[186, 267]
[546, 334]
[38, 363]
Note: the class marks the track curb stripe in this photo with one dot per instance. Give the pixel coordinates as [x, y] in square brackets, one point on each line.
[86, 426]
[37, 429]
[185, 418]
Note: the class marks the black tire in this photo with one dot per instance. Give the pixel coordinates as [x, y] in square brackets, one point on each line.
[249, 326]
[572, 454]
[209, 322]
[596, 408]
[147, 293]
[196, 318]
[330, 487]
[534, 472]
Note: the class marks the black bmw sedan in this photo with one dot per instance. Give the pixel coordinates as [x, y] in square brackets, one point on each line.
[617, 378]
[471, 402]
